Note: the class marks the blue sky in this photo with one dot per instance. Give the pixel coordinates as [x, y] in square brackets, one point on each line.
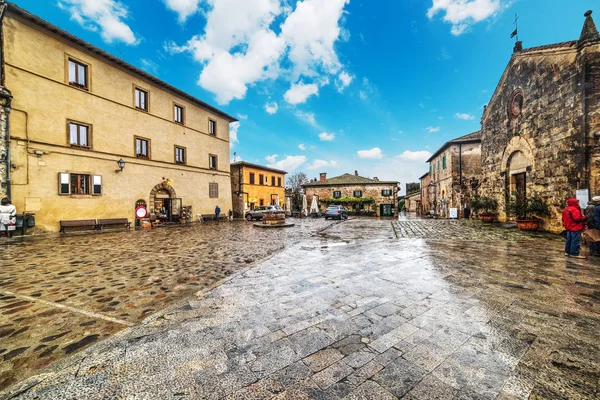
[327, 85]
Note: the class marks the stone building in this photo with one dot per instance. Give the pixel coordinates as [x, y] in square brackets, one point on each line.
[77, 110]
[541, 130]
[357, 190]
[412, 202]
[254, 185]
[425, 189]
[454, 170]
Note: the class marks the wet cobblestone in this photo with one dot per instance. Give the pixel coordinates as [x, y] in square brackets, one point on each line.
[346, 315]
[61, 294]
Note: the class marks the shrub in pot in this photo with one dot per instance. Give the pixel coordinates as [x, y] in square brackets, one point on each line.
[527, 211]
[485, 208]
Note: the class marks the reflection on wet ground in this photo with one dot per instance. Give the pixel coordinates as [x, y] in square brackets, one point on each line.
[61, 294]
[355, 313]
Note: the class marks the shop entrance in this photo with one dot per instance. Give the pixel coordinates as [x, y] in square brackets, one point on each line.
[385, 210]
[164, 203]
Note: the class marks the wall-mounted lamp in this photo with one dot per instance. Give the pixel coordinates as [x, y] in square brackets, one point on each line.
[121, 164]
[3, 157]
[38, 153]
[13, 166]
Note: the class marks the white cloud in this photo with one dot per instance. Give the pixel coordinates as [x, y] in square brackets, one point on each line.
[465, 117]
[319, 164]
[373, 154]
[311, 32]
[343, 81]
[302, 146]
[239, 45]
[462, 13]
[104, 15]
[271, 108]
[433, 129]
[183, 8]
[289, 164]
[326, 137]
[414, 156]
[233, 133]
[307, 117]
[243, 116]
[363, 95]
[300, 92]
[149, 66]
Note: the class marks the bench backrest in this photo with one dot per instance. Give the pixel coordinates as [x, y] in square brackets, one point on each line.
[79, 222]
[111, 221]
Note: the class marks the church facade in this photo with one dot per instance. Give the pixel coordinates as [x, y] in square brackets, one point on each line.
[540, 133]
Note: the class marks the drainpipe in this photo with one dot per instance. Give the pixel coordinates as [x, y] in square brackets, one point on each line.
[3, 6]
[586, 169]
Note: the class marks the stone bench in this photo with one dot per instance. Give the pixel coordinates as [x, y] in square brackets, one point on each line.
[79, 225]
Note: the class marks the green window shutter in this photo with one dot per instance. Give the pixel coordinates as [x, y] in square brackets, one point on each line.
[444, 162]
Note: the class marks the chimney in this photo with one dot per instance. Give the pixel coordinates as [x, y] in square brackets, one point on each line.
[518, 47]
[323, 177]
[355, 173]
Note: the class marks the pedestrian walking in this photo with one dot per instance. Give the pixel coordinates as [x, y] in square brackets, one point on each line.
[230, 215]
[592, 233]
[217, 212]
[574, 223]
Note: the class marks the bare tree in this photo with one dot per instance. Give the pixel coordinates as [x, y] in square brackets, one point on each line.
[295, 181]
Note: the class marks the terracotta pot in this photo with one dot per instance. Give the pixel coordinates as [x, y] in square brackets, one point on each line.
[528, 224]
[487, 218]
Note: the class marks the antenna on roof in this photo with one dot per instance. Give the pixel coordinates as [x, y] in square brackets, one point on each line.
[120, 54]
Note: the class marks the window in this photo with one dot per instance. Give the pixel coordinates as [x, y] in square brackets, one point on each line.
[142, 147]
[337, 194]
[357, 193]
[262, 202]
[79, 184]
[178, 114]
[179, 155]
[212, 161]
[261, 179]
[141, 99]
[279, 181]
[78, 74]
[213, 190]
[252, 178]
[386, 192]
[212, 127]
[272, 181]
[79, 135]
[444, 162]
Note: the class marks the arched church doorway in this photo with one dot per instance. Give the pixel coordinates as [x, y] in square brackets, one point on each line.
[517, 175]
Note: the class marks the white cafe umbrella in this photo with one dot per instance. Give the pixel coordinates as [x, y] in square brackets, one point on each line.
[288, 204]
[314, 207]
[304, 205]
[278, 204]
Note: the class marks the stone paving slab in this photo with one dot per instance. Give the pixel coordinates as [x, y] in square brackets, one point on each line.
[370, 318]
[59, 294]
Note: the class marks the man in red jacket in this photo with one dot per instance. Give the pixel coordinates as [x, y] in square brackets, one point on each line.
[574, 223]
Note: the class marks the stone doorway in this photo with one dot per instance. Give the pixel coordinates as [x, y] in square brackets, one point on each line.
[517, 176]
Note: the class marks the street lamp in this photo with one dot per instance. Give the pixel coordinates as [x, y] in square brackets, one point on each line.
[121, 164]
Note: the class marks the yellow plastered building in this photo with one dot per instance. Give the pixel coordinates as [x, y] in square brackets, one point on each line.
[77, 111]
[254, 185]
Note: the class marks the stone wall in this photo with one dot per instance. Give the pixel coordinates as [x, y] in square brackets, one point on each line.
[3, 152]
[535, 124]
[371, 190]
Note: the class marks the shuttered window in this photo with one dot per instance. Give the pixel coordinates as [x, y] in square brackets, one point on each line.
[79, 184]
[213, 190]
[337, 194]
[358, 193]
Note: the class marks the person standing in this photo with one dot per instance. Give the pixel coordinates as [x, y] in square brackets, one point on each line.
[593, 222]
[217, 212]
[8, 213]
[574, 223]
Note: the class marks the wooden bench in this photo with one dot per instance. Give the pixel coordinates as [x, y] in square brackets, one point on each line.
[79, 224]
[114, 222]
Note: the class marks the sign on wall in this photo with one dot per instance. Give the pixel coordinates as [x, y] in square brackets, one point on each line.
[453, 213]
[583, 195]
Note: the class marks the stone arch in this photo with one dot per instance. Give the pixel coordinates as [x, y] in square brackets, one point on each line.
[162, 186]
[518, 144]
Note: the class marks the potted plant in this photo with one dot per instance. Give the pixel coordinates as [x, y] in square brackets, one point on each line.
[527, 211]
[485, 208]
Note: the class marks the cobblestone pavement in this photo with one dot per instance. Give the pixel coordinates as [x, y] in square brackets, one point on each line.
[351, 315]
[61, 294]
